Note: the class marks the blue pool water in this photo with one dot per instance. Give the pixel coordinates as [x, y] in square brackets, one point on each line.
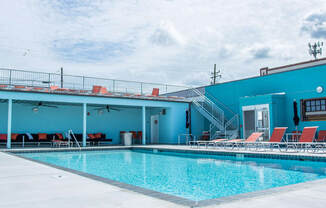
[191, 176]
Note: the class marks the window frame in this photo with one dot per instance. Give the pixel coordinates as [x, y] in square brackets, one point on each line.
[313, 109]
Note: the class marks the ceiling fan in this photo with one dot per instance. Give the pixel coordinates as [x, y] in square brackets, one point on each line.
[41, 104]
[107, 108]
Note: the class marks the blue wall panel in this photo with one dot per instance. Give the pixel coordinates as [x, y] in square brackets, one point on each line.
[298, 84]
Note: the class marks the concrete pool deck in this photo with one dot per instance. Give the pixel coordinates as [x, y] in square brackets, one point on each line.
[25, 183]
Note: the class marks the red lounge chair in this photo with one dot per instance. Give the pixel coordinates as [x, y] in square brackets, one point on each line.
[306, 139]
[96, 89]
[155, 92]
[276, 139]
[53, 88]
[321, 136]
[3, 138]
[3, 86]
[43, 139]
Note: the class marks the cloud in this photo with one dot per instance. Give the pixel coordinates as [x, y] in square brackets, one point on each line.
[166, 35]
[315, 25]
[176, 42]
[90, 51]
[261, 53]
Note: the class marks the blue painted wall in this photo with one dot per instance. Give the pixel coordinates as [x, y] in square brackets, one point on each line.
[298, 84]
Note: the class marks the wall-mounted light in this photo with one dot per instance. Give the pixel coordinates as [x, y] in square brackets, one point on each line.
[35, 109]
[319, 89]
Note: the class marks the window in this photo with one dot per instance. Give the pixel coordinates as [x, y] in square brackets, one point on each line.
[313, 109]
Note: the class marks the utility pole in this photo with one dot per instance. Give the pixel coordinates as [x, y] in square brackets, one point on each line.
[215, 75]
[61, 73]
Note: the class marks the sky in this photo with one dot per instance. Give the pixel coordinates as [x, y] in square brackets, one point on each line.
[165, 41]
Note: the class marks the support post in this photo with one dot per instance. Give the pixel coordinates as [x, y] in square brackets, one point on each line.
[84, 123]
[144, 125]
[9, 123]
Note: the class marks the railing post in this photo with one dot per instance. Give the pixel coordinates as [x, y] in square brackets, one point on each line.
[10, 77]
[141, 88]
[166, 88]
[83, 82]
[49, 81]
[113, 85]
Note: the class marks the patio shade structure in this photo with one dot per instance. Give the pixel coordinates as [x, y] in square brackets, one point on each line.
[296, 118]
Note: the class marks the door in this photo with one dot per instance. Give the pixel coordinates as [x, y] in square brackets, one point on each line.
[256, 119]
[263, 122]
[155, 129]
[249, 122]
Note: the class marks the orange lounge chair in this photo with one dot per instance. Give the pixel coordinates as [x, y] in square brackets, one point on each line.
[306, 139]
[249, 141]
[155, 93]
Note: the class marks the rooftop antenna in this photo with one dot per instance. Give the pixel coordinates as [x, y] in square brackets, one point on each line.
[315, 49]
[215, 75]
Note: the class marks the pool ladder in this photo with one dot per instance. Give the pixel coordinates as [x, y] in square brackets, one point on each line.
[71, 133]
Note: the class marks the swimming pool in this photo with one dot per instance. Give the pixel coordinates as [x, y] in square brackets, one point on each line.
[194, 177]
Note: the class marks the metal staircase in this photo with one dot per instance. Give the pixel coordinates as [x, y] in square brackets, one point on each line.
[223, 121]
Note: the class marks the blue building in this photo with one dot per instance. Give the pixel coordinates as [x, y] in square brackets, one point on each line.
[35, 103]
[266, 101]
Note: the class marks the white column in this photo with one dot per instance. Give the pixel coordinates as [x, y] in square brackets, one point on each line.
[144, 125]
[84, 124]
[9, 123]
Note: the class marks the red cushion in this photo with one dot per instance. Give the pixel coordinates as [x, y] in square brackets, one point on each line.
[59, 136]
[42, 136]
[98, 135]
[14, 136]
[91, 136]
[3, 136]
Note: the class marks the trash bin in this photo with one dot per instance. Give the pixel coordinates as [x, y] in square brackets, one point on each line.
[127, 139]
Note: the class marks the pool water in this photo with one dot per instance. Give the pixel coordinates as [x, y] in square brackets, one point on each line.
[191, 176]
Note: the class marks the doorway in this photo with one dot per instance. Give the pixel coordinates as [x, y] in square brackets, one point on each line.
[256, 119]
[155, 129]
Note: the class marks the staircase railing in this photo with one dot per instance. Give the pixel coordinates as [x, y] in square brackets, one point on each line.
[209, 109]
[232, 119]
[232, 127]
[217, 113]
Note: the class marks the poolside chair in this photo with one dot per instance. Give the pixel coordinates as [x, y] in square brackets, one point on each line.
[204, 139]
[275, 140]
[155, 93]
[249, 142]
[54, 87]
[44, 138]
[306, 139]
[321, 136]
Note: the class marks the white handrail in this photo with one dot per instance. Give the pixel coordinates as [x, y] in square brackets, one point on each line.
[70, 132]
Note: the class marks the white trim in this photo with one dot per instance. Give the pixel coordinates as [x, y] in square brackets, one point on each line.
[255, 108]
[299, 66]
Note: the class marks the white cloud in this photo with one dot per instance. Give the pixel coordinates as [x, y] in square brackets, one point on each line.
[157, 41]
